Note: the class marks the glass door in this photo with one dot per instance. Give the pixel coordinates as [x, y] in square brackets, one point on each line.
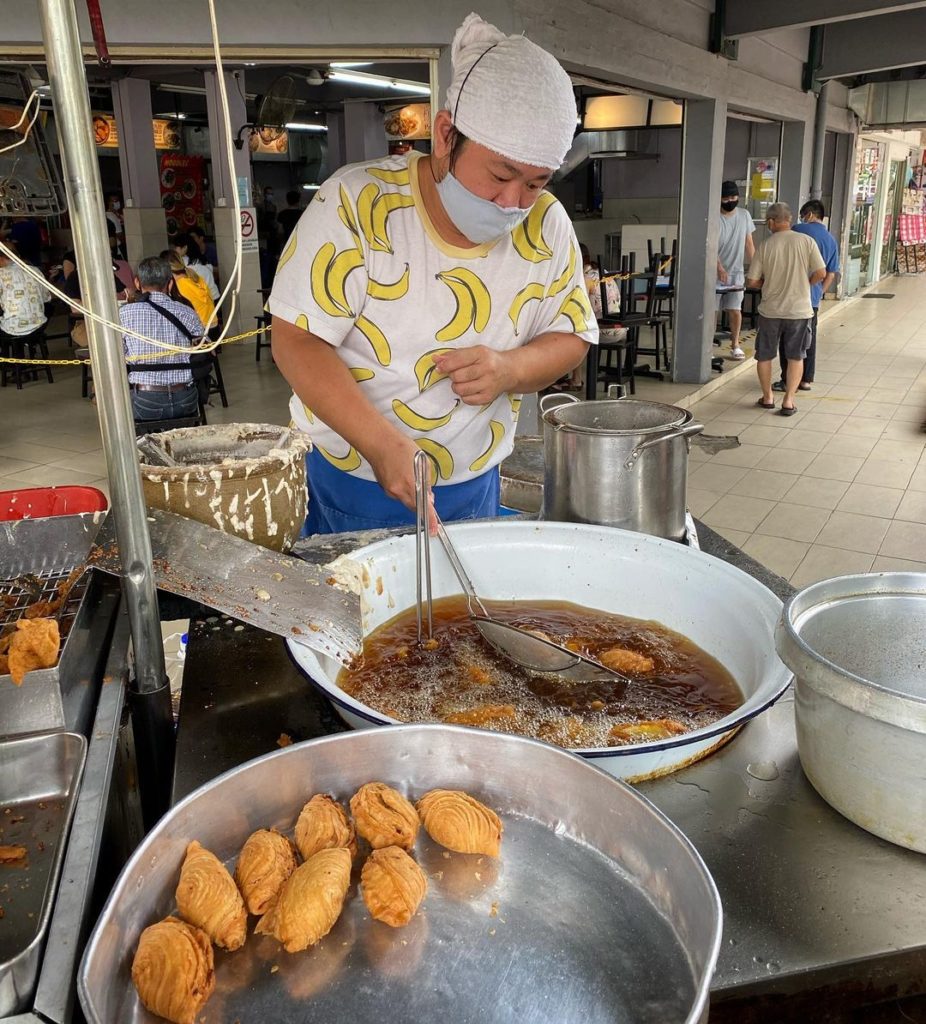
[893, 201]
[861, 231]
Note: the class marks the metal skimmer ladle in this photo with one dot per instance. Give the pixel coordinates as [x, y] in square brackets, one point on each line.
[518, 645]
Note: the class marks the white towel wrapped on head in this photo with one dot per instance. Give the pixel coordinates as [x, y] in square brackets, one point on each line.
[510, 95]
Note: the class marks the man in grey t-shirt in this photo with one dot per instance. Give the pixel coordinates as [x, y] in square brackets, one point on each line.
[734, 245]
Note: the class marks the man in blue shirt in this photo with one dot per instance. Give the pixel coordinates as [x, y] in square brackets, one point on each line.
[812, 214]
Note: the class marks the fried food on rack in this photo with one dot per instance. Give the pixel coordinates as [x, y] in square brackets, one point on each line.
[310, 901]
[630, 663]
[460, 822]
[393, 886]
[208, 898]
[323, 825]
[384, 817]
[640, 732]
[12, 854]
[173, 970]
[481, 714]
[35, 644]
[266, 860]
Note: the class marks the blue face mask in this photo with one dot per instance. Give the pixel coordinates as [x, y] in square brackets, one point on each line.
[480, 220]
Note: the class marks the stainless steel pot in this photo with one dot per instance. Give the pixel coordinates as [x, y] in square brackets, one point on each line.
[857, 648]
[617, 463]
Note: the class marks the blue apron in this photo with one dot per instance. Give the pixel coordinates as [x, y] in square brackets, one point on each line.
[341, 503]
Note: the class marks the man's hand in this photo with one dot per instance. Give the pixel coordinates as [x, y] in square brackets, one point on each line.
[393, 464]
[478, 374]
[722, 276]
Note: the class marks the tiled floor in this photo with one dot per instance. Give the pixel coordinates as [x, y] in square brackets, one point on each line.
[839, 487]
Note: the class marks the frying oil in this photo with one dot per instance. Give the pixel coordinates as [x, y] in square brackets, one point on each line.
[459, 678]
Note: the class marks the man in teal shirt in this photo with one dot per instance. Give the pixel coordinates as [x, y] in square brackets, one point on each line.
[812, 214]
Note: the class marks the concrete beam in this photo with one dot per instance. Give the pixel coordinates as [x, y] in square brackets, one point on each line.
[747, 18]
[874, 44]
[794, 165]
[703, 133]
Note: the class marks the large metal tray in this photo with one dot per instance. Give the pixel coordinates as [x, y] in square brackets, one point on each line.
[598, 909]
[39, 783]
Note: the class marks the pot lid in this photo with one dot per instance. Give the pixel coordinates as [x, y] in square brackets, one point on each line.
[625, 416]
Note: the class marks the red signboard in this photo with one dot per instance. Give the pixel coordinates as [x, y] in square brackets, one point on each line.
[182, 192]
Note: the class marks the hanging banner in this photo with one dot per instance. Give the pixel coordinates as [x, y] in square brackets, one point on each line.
[166, 134]
[106, 135]
[182, 191]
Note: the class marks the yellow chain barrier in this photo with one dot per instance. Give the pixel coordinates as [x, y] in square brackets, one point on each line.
[141, 357]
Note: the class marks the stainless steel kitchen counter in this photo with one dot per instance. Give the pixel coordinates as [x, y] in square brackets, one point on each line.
[819, 916]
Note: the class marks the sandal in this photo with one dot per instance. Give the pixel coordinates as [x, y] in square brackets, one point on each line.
[787, 412]
[804, 386]
[762, 404]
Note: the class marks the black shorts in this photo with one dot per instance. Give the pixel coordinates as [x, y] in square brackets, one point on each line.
[792, 335]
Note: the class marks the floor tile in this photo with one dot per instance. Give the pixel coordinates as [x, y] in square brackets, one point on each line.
[918, 480]
[746, 455]
[822, 563]
[869, 500]
[712, 477]
[13, 467]
[825, 422]
[785, 460]
[912, 508]
[738, 512]
[52, 476]
[898, 451]
[699, 501]
[37, 454]
[776, 553]
[69, 441]
[885, 474]
[904, 430]
[876, 410]
[862, 426]
[804, 440]
[88, 462]
[793, 522]
[884, 563]
[827, 466]
[761, 483]
[854, 532]
[769, 437]
[816, 493]
[905, 540]
[886, 394]
[859, 447]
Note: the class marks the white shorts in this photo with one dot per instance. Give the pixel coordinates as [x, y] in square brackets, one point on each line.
[734, 299]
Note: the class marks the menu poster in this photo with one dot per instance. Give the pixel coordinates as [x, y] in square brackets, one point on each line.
[182, 191]
[166, 133]
[269, 140]
[412, 121]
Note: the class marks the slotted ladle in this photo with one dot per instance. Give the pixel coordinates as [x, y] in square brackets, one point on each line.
[520, 646]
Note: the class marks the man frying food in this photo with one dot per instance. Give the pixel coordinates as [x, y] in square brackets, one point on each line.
[421, 295]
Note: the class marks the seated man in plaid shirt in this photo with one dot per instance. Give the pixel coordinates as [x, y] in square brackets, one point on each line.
[160, 394]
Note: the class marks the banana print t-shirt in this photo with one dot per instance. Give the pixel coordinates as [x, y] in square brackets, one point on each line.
[366, 271]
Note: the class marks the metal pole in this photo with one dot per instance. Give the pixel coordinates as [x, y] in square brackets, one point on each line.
[88, 222]
[819, 143]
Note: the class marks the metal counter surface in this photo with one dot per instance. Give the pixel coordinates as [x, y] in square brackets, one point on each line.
[817, 912]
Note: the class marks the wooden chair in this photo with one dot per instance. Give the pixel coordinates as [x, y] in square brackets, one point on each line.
[31, 346]
[263, 340]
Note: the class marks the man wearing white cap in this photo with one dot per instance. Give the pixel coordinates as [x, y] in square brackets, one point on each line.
[420, 296]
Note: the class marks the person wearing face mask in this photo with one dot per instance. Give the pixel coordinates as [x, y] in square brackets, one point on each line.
[420, 295]
[734, 245]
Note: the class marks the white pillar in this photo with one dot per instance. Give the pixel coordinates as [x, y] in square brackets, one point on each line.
[225, 180]
[145, 224]
[703, 137]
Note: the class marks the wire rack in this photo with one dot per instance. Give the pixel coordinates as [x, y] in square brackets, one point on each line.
[17, 594]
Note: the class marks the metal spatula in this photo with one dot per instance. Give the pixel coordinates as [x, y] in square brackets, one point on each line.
[275, 592]
[520, 646]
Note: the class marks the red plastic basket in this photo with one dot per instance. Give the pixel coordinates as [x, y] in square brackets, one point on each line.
[41, 502]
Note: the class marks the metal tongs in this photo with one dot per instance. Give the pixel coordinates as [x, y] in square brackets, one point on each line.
[518, 645]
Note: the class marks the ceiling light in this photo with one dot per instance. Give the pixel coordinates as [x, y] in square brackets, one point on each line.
[297, 126]
[250, 63]
[351, 64]
[311, 188]
[381, 82]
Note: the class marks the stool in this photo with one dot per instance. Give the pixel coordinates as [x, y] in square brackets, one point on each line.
[263, 340]
[30, 346]
[86, 377]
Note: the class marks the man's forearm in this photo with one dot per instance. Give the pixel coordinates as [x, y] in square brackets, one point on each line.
[543, 361]
[827, 281]
[753, 282]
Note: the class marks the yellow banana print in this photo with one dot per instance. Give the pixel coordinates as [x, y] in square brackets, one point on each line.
[515, 402]
[577, 309]
[525, 295]
[288, 252]
[401, 177]
[347, 214]
[361, 373]
[381, 209]
[418, 422]
[562, 282]
[474, 304]
[378, 341]
[309, 415]
[368, 196]
[329, 273]
[441, 457]
[527, 237]
[348, 462]
[389, 292]
[302, 321]
[426, 372]
[498, 432]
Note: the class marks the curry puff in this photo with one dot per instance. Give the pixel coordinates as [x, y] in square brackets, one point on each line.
[266, 860]
[35, 644]
[310, 901]
[173, 970]
[208, 897]
[393, 886]
[384, 817]
[324, 825]
[460, 823]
